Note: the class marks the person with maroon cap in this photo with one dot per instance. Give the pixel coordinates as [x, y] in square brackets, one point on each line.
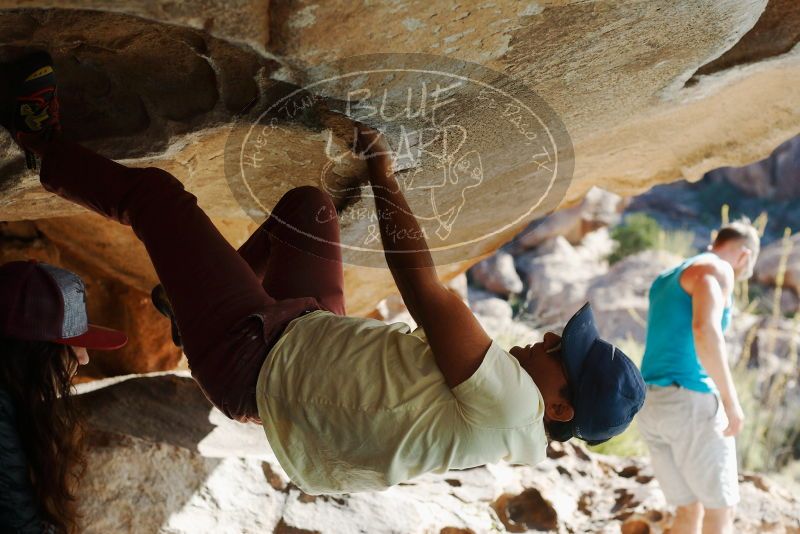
[44, 335]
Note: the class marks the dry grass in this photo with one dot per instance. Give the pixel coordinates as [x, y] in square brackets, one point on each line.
[772, 427]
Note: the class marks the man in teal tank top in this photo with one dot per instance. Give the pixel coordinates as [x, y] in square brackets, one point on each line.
[670, 356]
[685, 366]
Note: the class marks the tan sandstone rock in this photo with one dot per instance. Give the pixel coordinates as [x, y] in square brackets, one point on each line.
[161, 460]
[497, 274]
[648, 92]
[597, 209]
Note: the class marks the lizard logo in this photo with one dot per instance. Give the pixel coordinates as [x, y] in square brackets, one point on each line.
[453, 173]
[477, 154]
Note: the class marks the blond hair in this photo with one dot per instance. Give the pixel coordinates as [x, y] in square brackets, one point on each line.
[739, 230]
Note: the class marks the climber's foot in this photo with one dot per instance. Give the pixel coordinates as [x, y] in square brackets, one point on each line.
[159, 297]
[31, 113]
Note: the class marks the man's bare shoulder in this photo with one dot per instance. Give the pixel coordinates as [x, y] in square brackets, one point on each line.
[711, 265]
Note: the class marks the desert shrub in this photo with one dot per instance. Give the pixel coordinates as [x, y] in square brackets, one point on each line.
[641, 232]
[517, 302]
[750, 443]
[638, 232]
[770, 436]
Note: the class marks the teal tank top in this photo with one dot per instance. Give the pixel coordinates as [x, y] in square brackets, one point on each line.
[670, 357]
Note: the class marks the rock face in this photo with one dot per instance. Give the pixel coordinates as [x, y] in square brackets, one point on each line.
[776, 178]
[559, 274]
[649, 93]
[497, 274]
[620, 297]
[161, 460]
[776, 255]
[597, 209]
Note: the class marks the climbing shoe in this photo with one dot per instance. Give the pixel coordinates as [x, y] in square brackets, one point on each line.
[33, 116]
[159, 297]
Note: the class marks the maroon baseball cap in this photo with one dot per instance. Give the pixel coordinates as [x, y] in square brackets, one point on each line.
[40, 302]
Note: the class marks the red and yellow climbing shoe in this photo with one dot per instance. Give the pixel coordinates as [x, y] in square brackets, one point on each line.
[34, 118]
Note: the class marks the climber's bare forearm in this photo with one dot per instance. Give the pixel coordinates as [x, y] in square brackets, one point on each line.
[456, 338]
[403, 240]
[404, 243]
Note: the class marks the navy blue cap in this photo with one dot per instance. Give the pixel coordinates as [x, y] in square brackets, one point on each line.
[607, 387]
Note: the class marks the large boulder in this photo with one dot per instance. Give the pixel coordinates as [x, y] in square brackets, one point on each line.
[620, 297]
[559, 274]
[162, 460]
[780, 258]
[650, 108]
[597, 209]
[776, 178]
[788, 300]
[497, 274]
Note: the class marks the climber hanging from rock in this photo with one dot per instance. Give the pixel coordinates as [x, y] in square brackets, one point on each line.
[347, 404]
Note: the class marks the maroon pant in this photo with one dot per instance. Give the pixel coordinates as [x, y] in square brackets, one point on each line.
[230, 307]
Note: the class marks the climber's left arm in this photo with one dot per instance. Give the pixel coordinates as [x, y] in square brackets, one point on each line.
[457, 340]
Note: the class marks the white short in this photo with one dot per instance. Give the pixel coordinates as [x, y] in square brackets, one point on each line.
[692, 460]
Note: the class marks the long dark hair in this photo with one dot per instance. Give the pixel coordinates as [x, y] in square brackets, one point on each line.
[37, 375]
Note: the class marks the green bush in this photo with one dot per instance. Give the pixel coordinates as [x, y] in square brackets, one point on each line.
[637, 233]
[641, 232]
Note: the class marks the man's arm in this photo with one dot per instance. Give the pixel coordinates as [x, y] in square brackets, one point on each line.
[457, 340]
[708, 286]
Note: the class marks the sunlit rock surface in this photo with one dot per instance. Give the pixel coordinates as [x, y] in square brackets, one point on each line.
[648, 92]
[162, 460]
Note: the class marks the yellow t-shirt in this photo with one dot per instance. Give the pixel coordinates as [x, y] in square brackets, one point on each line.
[351, 404]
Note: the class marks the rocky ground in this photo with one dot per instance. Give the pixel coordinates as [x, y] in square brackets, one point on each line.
[162, 460]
